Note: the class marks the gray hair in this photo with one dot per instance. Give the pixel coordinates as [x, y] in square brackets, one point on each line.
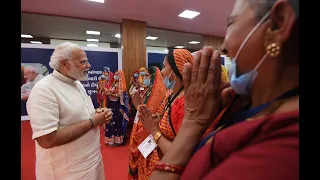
[62, 51]
[290, 49]
[261, 7]
[31, 69]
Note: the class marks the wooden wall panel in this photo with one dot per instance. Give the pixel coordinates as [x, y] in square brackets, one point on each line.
[214, 41]
[133, 43]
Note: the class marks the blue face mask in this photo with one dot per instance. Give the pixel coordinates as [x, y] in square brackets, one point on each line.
[107, 78]
[142, 73]
[103, 77]
[135, 75]
[243, 83]
[116, 77]
[147, 82]
[167, 83]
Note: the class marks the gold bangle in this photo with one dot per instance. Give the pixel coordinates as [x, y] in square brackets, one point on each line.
[157, 137]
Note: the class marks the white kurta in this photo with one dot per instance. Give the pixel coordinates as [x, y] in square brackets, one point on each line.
[56, 102]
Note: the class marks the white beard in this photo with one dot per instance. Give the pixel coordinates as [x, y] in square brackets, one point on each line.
[78, 74]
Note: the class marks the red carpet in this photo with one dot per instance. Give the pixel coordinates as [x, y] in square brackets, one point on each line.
[115, 159]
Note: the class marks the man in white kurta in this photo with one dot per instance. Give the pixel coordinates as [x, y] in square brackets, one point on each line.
[58, 102]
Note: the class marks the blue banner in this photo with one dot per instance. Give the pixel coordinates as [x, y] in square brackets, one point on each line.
[222, 60]
[40, 58]
[156, 59]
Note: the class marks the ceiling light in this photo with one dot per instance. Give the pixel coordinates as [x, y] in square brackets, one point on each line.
[99, 1]
[36, 42]
[117, 36]
[26, 36]
[93, 32]
[194, 42]
[93, 40]
[179, 47]
[92, 45]
[189, 14]
[166, 50]
[152, 38]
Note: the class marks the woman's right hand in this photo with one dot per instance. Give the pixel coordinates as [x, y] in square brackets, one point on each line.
[203, 89]
[136, 99]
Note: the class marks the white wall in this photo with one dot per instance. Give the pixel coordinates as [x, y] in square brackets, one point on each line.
[150, 48]
[80, 43]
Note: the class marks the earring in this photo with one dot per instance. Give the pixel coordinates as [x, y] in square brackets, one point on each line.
[273, 50]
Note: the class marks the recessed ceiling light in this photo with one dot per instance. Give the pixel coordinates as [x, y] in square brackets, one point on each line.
[93, 40]
[93, 32]
[189, 14]
[194, 42]
[117, 36]
[92, 45]
[26, 36]
[152, 38]
[179, 47]
[99, 1]
[36, 42]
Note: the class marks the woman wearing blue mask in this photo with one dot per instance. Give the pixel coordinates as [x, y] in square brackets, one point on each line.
[164, 126]
[103, 87]
[153, 97]
[134, 87]
[118, 102]
[260, 140]
[142, 72]
[134, 82]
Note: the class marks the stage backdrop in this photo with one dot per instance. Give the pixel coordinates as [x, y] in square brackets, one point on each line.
[39, 56]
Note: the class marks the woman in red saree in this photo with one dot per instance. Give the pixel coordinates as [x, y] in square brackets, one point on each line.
[153, 97]
[134, 82]
[104, 84]
[261, 140]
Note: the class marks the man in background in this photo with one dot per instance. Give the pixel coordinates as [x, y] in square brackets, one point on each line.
[32, 76]
[64, 122]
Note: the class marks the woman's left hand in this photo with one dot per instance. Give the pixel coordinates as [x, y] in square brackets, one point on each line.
[150, 121]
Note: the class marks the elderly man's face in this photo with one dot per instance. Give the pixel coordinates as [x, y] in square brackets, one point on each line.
[29, 75]
[79, 65]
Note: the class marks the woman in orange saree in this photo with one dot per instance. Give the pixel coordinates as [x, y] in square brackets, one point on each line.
[153, 97]
[172, 118]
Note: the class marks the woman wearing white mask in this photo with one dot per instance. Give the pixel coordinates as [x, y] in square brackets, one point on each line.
[260, 141]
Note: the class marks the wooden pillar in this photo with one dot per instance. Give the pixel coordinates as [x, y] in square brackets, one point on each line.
[133, 44]
[214, 41]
